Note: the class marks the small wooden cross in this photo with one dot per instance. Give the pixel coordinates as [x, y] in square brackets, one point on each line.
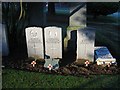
[87, 63]
[33, 63]
[50, 66]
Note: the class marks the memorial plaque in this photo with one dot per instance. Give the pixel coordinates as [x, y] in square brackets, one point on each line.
[103, 56]
[34, 38]
[53, 42]
[85, 44]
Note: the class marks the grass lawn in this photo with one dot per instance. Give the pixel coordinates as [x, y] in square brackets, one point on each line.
[24, 79]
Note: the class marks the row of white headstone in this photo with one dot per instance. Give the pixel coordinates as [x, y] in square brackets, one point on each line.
[51, 36]
[53, 42]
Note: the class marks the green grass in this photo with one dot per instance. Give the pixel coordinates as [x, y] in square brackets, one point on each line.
[23, 79]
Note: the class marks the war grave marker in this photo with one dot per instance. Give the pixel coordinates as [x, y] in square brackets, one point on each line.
[53, 47]
[53, 42]
[85, 44]
[34, 38]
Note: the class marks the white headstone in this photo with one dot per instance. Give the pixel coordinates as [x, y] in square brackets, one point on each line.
[5, 48]
[85, 44]
[34, 38]
[53, 42]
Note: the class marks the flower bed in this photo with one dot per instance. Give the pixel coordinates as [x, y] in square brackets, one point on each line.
[69, 69]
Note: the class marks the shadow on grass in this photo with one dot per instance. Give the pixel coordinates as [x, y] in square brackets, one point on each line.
[102, 81]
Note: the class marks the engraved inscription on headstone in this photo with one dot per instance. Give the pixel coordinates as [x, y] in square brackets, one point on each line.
[85, 44]
[53, 42]
[34, 38]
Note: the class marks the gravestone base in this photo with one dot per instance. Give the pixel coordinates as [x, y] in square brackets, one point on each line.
[82, 61]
